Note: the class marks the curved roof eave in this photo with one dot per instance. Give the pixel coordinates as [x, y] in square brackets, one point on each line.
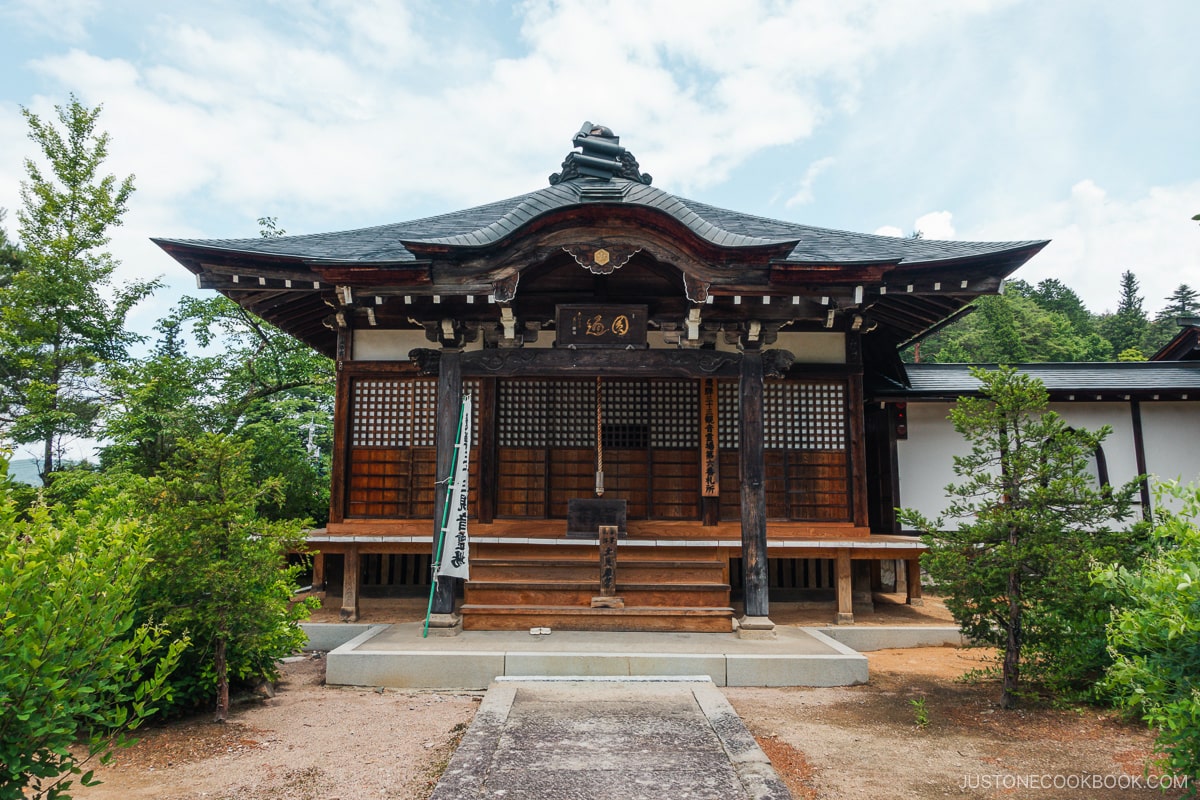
[486, 225]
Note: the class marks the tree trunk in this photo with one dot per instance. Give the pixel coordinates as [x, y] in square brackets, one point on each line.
[222, 670]
[47, 457]
[1012, 647]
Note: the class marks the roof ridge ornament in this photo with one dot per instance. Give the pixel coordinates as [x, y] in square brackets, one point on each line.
[601, 156]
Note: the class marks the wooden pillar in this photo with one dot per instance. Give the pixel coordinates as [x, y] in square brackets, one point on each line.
[845, 588]
[449, 403]
[858, 451]
[754, 490]
[338, 469]
[1139, 454]
[913, 574]
[486, 485]
[318, 571]
[351, 574]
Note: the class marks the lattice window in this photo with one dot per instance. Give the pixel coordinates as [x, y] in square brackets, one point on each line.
[382, 413]
[674, 414]
[400, 412]
[804, 416]
[573, 414]
[728, 414]
[522, 413]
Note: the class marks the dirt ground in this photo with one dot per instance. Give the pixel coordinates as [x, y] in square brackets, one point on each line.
[311, 741]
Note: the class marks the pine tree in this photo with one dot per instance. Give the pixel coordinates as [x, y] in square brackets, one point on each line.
[1183, 302]
[1021, 529]
[1129, 328]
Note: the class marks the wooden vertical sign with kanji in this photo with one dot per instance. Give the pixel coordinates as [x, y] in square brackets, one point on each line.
[709, 456]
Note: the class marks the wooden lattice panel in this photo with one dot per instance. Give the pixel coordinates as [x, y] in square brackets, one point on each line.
[728, 414]
[807, 460]
[393, 447]
[573, 414]
[546, 432]
[804, 416]
[394, 413]
[797, 415]
[674, 413]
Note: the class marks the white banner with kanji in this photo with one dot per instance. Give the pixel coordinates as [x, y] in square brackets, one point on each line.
[455, 545]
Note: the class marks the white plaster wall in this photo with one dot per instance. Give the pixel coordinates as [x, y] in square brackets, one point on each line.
[387, 345]
[926, 457]
[1171, 431]
[807, 347]
[1119, 451]
[814, 348]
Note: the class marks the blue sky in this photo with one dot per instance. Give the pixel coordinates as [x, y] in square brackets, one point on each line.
[1073, 120]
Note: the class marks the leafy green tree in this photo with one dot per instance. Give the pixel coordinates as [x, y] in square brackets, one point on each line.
[11, 258]
[251, 382]
[1013, 328]
[273, 390]
[156, 402]
[61, 319]
[1054, 295]
[1155, 636]
[268, 228]
[76, 673]
[220, 570]
[1020, 529]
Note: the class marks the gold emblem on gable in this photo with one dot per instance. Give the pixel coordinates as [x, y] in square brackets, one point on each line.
[601, 257]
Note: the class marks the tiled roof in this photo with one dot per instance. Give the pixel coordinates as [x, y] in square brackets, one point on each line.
[1144, 377]
[488, 224]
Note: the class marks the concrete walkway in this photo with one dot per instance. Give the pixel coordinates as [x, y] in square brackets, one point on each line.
[618, 739]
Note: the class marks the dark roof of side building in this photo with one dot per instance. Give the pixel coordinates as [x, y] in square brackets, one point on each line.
[1074, 381]
[1186, 344]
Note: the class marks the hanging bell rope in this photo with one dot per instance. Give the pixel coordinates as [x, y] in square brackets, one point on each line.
[599, 438]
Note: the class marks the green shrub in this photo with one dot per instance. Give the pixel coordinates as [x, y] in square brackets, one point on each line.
[220, 570]
[1155, 637]
[75, 670]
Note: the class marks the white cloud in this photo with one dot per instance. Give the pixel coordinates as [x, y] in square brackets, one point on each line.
[334, 114]
[804, 194]
[1096, 236]
[935, 225]
[65, 20]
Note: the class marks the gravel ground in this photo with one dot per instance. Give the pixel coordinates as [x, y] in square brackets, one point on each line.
[311, 741]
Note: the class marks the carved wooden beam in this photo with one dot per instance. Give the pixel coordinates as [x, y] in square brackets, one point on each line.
[511, 363]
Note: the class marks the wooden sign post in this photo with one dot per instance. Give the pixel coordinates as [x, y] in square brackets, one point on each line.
[608, 570]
